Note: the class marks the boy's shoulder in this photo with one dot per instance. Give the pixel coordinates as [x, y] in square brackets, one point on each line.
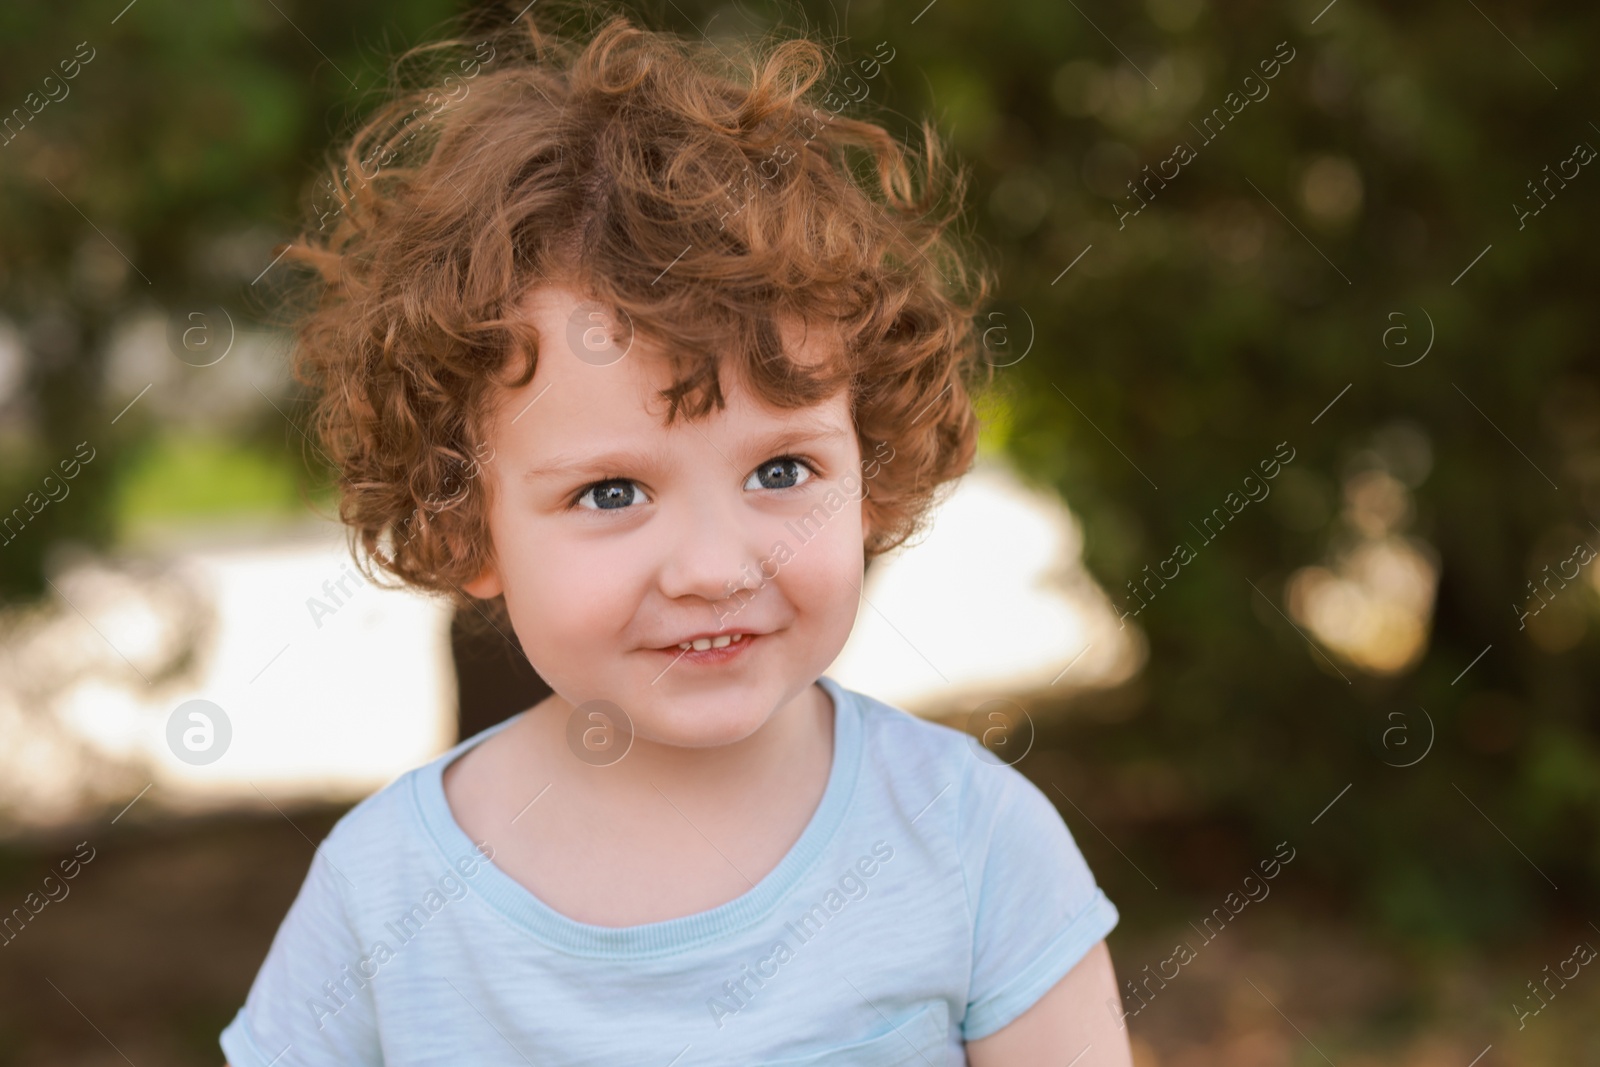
[919, 754]
[905, 738]
[382, 819]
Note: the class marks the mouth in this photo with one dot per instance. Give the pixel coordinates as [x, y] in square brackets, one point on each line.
[710, 651]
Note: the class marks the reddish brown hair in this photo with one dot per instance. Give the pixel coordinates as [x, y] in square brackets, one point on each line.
[704, 197]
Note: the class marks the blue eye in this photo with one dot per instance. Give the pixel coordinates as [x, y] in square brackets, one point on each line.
[784, 470]
[614, 494]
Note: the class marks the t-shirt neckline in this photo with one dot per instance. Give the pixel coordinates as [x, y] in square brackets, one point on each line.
[665, 937]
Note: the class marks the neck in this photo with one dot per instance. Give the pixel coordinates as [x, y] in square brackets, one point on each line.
[800, 728]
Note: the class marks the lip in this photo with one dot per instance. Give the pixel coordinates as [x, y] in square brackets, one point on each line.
[711, 657]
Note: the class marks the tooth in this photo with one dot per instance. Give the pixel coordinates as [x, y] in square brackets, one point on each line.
[685, 645]
[720, 641]
[737, 638]
[702, 643]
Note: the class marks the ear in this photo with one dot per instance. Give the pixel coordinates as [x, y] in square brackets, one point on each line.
[486, 585]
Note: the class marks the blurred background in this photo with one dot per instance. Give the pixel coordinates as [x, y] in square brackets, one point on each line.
[1279, 542]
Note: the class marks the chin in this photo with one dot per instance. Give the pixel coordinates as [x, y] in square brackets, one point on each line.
[692, 725]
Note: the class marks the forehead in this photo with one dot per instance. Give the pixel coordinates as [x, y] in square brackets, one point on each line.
[582, 391]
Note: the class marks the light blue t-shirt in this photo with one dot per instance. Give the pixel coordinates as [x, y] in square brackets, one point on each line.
[933, 897]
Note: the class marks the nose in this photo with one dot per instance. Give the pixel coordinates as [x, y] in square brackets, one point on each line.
[709, 548]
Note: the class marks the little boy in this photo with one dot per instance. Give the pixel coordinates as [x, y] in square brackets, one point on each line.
[680, 376]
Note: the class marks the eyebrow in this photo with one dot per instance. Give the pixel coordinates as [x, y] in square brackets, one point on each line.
[572, 465]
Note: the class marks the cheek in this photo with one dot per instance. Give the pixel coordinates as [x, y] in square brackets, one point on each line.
[563, 592]
[825, 571]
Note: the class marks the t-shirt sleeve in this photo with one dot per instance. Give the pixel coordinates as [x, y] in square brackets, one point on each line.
[1036, 909]
[311, 1003]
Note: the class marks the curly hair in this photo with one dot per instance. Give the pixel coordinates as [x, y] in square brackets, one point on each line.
[699, 196]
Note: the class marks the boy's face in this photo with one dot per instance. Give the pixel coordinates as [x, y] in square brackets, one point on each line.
[748, 521]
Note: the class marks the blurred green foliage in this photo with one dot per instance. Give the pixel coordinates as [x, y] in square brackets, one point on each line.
[185, 475]
[1250, 293]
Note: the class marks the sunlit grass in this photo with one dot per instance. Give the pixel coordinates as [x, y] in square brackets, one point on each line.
[193, 476]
